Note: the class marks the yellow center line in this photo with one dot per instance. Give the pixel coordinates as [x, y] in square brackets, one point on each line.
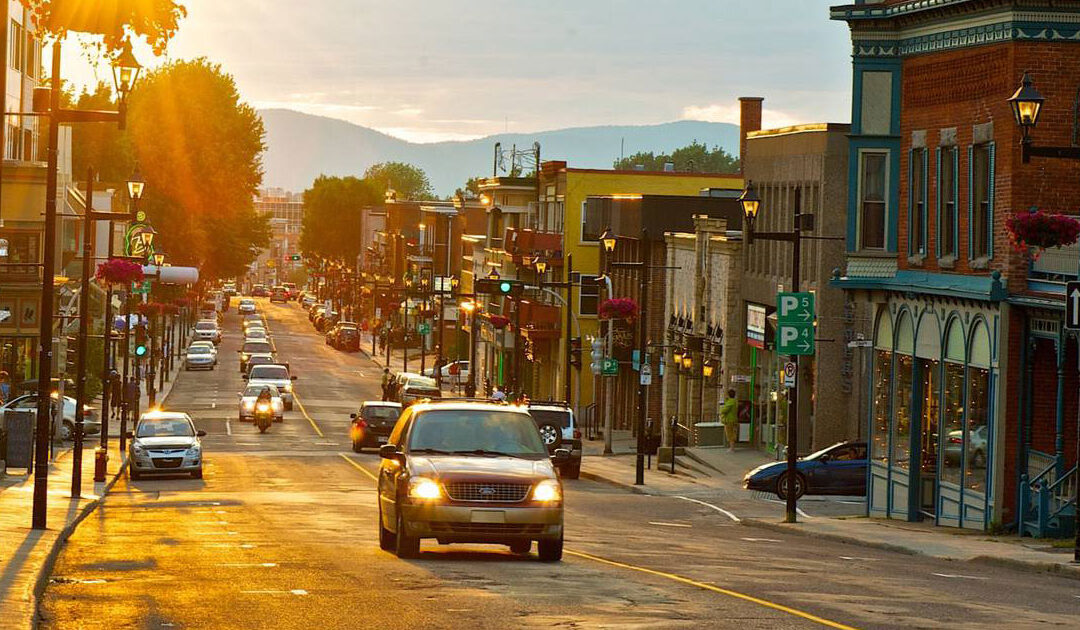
[309, 418]
[359, 467]
[715, 589]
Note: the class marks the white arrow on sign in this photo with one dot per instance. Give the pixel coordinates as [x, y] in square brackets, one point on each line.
[1075, 297]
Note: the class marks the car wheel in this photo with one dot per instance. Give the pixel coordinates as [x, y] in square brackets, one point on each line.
[551, 434]
[405, 546]
[197, 474]
[978, 459]
[550, 549]
[67, 431]
[387, 540]
[571, 472]
[782, 486]
[521, 546]
[279, 419]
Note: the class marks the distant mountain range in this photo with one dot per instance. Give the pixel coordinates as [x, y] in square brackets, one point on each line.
[301, 146]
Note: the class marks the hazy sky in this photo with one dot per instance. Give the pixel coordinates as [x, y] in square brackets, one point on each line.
[428, 70]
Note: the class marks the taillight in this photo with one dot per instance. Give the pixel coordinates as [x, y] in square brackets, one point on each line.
[577, 434]
[360, 423]
[955, 440]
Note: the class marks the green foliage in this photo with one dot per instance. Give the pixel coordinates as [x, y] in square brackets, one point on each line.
[695, 157]
[332, 215]
[471, 190]
[104, 147]
[199, 149]
[155, 20]
[409, 182]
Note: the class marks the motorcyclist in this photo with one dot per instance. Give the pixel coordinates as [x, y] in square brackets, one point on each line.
[264, 397]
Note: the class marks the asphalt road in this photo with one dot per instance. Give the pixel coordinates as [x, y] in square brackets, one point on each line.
[281, 533]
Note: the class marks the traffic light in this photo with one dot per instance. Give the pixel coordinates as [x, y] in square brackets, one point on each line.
[575, 352]
[498, 286]
[597, 355]
[296, 257]
[142, 348]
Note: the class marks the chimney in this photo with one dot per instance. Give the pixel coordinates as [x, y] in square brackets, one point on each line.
[749, 120]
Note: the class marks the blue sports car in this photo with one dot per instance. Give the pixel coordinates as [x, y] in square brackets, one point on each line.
[838, 469]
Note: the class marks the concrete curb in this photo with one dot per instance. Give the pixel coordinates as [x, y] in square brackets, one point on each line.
[1061, 569]
[611, 482]
[46, 568]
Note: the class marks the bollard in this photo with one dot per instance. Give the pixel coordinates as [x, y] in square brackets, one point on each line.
[101, 462]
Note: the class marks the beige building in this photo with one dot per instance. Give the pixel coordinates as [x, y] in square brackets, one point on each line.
[286, 212]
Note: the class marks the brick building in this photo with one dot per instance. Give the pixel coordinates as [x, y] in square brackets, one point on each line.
[974, 381]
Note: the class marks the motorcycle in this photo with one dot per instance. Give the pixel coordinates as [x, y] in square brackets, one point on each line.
[264, 416]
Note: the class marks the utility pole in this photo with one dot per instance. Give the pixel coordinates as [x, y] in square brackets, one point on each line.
[643, 344]
[568, 387]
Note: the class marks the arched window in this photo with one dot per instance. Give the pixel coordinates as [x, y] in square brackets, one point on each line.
[882, 387]
[977, 435]
[952, 413]
[905, 362]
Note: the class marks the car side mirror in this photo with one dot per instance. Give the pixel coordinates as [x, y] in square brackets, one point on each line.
[561, 456]
[130, 435]
[389, 451]
[200, 434]
[292, 378]
[245, 377]
[353, 416]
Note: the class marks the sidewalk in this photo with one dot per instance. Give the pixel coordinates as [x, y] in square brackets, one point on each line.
[26, 554]
[695, 468]
[937, 542]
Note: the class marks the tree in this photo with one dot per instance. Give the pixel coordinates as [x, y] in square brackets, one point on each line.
[155, 20]
[332, 215]
[695, 157]
[199, 149]
[472, 188]
[104, 147]
[406, 180]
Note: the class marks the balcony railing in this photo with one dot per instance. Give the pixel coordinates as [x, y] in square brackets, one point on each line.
[1057, 265]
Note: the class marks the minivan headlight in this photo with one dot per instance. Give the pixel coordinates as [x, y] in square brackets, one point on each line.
[547, 491]
[424, 488]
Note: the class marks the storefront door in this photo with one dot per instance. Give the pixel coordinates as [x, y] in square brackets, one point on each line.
[929, 392]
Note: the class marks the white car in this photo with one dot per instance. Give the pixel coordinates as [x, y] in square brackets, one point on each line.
[205, 344]
[91, 423]
[255, 333]
[165, 443]
[251, 394]
[247, 305]
[199, 358]
[207, 330]
[275, 375]
[453, 373]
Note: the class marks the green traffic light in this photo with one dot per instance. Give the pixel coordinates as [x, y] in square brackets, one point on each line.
[505, 286]
[140, 351]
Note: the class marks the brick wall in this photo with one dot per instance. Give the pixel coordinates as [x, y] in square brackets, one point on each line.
[963, 88]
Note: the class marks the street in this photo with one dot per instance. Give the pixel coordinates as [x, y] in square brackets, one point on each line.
[281, 533]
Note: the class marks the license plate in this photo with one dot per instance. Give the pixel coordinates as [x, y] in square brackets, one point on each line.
[381, 439]
[488, 516]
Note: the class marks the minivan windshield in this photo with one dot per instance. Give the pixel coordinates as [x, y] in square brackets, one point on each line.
[269, 373]
[256, 346]
[470, 431]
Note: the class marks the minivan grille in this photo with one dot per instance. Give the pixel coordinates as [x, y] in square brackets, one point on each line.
[488, 492]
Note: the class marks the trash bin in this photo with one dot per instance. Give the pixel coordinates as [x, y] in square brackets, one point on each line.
[709, 434]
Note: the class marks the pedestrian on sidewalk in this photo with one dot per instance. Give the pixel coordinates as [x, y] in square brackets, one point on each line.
[132, 392]
[116, 392]
[5, 386]
[729, 417]
[386, 384]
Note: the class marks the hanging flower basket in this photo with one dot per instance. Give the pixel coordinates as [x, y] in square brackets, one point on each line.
[499, 321]
[1032, 232]
[148, 308]
[618, 308]
[119, 271]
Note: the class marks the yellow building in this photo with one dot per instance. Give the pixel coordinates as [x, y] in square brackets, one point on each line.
[564, 192]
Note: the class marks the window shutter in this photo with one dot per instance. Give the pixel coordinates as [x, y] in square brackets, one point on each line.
[911, 240]
[940, 203]
[971, 200]
[956, 200]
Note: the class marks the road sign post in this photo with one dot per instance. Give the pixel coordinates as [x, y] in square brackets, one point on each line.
[795, 324]
[609, 367]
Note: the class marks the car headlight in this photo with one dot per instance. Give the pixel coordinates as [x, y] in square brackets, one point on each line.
[287, 387]
[194, 450]
[423, 488]
[547, 491]
[249, 404]
[137, 448]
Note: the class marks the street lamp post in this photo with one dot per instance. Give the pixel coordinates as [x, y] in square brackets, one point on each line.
[608, 241]
[1027, 104]
[471, 307]
[126, 72]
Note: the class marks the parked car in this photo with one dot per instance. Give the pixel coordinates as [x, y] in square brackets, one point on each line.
[66, 430]
[207, 330]
[326, 320]
[251, 394]
[260, 346]
[409, 387]
[976, 449]
[307, 301]
[316, 310]
[274, 374]
[279, 294]
[165, 442]
[558, 428]
[199, 357]
[372, 423]
[246, 305]
[838, 469]
[446, 461]
[453, 373]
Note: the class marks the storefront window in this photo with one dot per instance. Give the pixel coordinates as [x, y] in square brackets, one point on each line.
[928, 437]
[952, 422]
[882, 386]
[901, 439]
[976, 434]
